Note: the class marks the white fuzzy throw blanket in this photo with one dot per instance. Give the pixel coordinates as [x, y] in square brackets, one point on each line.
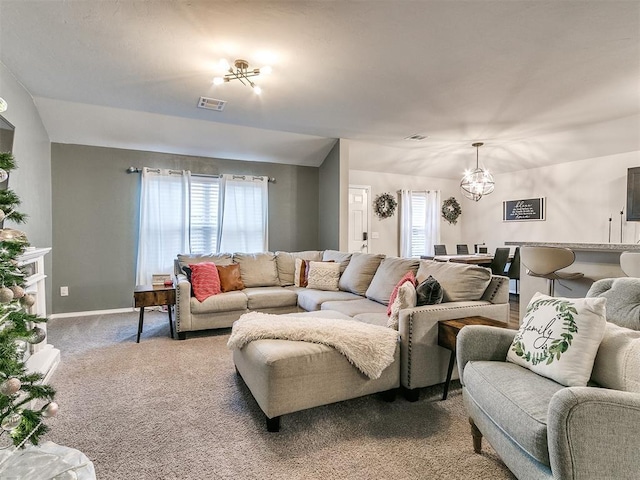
[369, 348]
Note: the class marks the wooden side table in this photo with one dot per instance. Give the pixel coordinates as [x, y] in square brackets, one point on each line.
[448, 334]
[154, 296]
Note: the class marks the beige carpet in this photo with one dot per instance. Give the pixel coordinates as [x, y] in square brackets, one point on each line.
[168, 409]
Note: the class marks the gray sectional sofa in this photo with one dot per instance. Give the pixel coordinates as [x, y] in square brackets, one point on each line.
[365, 285]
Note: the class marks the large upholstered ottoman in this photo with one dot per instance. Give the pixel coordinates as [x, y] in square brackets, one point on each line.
[287, 376]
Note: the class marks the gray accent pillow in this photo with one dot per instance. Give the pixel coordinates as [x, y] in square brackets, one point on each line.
[286, 262]
[358, 274]
[623, 300]
[390, 272]
[429, 292]
[258, 269]
[339, 257]
[460, 282]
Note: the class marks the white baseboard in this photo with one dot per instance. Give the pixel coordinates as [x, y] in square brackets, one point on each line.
[92, 312]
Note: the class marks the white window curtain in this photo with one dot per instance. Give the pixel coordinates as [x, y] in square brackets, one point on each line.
[245, 214]
[206, 211]
[164, 221]
[419, 222]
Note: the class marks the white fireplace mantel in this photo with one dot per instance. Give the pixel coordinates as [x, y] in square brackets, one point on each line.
[43, 357]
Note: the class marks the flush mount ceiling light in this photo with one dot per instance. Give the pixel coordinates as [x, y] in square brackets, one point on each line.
[478, 182]
[243, 73]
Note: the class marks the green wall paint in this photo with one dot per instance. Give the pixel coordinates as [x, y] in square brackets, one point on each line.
[95, 217]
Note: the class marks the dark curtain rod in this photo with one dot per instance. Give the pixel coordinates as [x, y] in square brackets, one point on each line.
[138, 170]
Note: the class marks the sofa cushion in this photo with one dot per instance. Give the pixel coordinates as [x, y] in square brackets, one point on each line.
[285, 262]
[269, 297]
[459, 281]
[355, 307]
[258, 269]
[623, 300]
[340, 257]
[617, 364]
[320, 314]
[224, 302]
[217, 258]
[230, 278]
[323, 275]
[406, 298]
[205, 280]
[505, 392]
[310, 299]
[391, 270]
[559, 338]
[373, 318]
[429, 292]
[358, 274]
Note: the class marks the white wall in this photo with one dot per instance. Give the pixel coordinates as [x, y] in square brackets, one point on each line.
[32, 179]
[580, 198]
[388, 228]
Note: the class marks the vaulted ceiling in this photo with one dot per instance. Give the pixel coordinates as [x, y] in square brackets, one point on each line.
[539, 82]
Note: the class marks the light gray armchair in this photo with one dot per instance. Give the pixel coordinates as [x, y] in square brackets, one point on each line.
[544, 430]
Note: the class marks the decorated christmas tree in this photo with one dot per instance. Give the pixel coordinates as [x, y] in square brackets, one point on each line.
[24, 401]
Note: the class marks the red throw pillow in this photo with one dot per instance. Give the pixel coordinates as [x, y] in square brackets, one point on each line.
[205, 280]
[408, 277]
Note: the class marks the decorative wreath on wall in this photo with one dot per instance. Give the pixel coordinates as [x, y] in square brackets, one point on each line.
[451, 210]
[384, 206]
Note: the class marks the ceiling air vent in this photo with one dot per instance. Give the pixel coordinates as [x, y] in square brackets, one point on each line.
[416, 137]
[211, 104]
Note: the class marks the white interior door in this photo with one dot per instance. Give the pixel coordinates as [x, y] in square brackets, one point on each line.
[359, 218]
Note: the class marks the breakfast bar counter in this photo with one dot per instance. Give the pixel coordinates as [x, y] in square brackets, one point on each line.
[582, 247]
[594, 260]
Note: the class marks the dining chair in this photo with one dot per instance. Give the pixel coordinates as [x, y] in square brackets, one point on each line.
[513, 272]
[462, 249]
[440, 249]
[545, 262]
[630, 263]
[499, 262]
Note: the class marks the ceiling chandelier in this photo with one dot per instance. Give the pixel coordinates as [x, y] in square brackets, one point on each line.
[243, 73]
[477, 182]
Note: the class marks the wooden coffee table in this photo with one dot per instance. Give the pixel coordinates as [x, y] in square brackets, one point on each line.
[448, 334]
[154, 296]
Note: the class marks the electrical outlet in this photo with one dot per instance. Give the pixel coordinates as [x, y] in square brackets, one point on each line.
[64, 291]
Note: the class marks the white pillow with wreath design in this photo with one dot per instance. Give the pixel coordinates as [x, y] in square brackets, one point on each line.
[559, 338]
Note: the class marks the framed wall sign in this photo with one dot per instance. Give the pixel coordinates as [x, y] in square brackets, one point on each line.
[523, 210]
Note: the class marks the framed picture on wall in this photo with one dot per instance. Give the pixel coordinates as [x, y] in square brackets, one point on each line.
[525, 210]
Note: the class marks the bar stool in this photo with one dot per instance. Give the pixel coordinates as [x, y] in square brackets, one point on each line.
[545, 262]
[630, 263]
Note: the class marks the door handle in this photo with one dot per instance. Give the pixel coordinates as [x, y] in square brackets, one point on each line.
[365, 236]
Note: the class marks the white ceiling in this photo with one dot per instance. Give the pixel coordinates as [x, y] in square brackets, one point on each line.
[539, 82]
